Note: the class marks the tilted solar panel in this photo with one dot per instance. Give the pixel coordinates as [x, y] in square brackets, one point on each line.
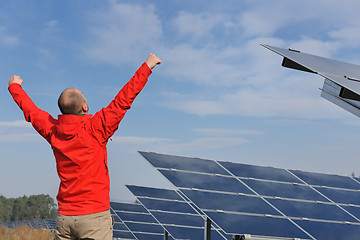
[120, 230]
[345, 74]
[174, 213]
[342, 80]
[138, 221]
[266, 202]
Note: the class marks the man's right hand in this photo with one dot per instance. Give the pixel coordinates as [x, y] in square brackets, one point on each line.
[15, 79]
[152, 60]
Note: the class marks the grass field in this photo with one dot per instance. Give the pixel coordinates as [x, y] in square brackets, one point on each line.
[24, 233]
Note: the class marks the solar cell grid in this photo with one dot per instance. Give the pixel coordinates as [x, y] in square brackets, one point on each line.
[341, 196]
[227, 202]
[355, 211]
[311, 210]
[120, 231]
[135, 217]
[205, 181]
[183, 163]
[127, 207]
[154, 192]
[192, 233]
[284, 190]
[168, 206]
[122, 235]
[256, 225]
[268, 202]
[259, 172]
[330, 231]
[328, 180]
[136, 227]
[179, 220]
[138, 221]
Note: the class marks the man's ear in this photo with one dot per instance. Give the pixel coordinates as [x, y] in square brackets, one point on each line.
[85, 108]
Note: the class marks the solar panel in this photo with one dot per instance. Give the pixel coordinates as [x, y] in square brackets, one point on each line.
[184, 163]
[120, 230]
[345, 74]
[259, 172]
[284, 190]
[37, 223]
[137, 221]
[327, 180]
[175, 214]
[341, 196]
[266, 202]
[256, 225]
[330, 230]
[342, 80]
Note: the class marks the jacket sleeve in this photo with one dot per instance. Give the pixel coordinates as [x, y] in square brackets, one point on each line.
[106, 121]
[40, 120]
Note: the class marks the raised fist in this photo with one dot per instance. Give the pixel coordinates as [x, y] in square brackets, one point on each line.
[152, 60]
[15, 79]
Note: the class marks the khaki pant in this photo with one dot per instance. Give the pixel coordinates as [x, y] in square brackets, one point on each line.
[97, 226]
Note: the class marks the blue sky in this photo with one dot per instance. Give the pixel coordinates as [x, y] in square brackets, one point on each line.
[218, 94]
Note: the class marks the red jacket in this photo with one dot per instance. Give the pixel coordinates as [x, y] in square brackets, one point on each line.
[79, 146]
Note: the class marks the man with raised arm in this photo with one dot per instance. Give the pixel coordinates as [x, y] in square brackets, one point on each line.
[78, 141]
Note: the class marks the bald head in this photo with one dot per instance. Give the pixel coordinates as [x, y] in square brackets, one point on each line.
[72, 101]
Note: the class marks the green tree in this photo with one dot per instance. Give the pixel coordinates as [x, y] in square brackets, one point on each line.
[5, 209]
[27, 208]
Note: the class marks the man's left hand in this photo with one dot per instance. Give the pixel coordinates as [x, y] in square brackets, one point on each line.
[15, 79]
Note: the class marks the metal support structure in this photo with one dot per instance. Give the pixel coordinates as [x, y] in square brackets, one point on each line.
[237, 237]
[166, 235]
[207, 230]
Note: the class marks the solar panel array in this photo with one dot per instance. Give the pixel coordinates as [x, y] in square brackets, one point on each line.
[38, 223]
[266, 202]
[240, 199]
[181, 219]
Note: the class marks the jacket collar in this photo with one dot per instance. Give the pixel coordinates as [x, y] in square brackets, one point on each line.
[73, 119]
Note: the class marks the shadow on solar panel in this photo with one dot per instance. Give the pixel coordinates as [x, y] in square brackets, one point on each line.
[255, 202]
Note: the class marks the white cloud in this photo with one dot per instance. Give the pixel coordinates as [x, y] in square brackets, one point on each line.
[226, 132]
[123, 32]
[238, 78]
[17, 123]
[207, 66]
[316, 47]
[20, 137]
[52, 23]
[214, 139]
[259, 104]
[201, 144]
[347, 36]
[18, 131]
[8, 39]
[138, 140]
[199, 25]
